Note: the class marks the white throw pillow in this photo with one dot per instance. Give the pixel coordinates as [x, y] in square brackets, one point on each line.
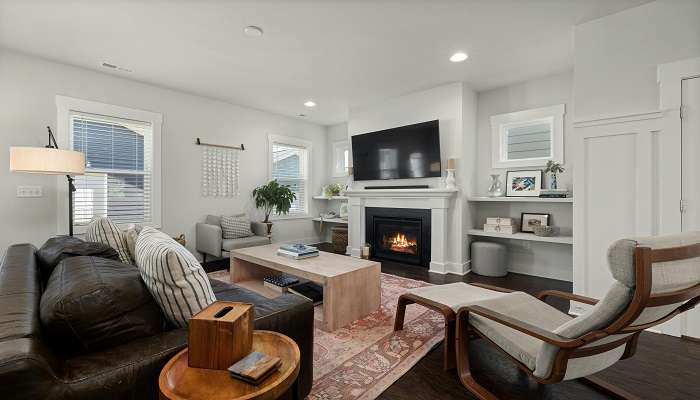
[235, 226]
[103, 230]
[173, 276]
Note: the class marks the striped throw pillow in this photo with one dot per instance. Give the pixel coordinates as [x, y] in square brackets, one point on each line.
[236, 226]
[173, 276]
[103, 230]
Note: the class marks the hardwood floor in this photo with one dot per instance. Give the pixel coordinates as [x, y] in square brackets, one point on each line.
[664, 367]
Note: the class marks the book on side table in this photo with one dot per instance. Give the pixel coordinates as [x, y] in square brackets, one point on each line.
[255, 368]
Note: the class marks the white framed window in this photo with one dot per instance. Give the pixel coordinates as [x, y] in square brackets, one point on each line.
[122, 155]
[341, 158]
[528, 138]
[290, 164]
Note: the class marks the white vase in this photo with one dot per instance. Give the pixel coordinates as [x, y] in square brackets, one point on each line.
[496, 188]
[450, 182]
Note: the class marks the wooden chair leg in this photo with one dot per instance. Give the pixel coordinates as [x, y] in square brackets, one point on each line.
[608, 388]
[462, 359]
[449, 345]
[401, 312]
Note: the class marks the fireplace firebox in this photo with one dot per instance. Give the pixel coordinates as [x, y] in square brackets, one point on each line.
[399, 234]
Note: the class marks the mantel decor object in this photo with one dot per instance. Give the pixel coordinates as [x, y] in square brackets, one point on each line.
[450, 182]
[220, 335]
[50, 160]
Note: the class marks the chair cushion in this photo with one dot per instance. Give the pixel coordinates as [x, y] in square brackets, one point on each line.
[103, 230]
[173, 276]
[523, 307]
[59, 248]
[455, 295]
[92, 303]
[235, 227]
[251, 241]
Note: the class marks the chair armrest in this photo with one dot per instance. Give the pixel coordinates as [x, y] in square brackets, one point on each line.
[567, 296]
[491, 287]
[209, 239]
[521, 326]
[259, 228]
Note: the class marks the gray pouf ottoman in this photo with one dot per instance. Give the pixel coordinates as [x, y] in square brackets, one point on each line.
[489, 259]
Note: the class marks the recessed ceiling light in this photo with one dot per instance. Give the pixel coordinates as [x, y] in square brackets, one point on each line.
[310, 103]
[253, 31]
[459, 56]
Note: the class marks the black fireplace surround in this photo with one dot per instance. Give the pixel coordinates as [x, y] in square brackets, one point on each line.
[399, 234]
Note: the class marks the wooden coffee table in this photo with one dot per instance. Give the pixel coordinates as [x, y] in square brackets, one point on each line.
[178, 381]
[351, 286]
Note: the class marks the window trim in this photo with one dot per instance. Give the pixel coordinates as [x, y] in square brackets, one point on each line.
[307, 145]
[64, 106]
[336, 146]
[501, 122]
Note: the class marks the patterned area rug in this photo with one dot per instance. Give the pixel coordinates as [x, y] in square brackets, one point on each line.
[364, 358]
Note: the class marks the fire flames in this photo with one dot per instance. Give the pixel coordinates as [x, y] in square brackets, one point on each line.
[400, 243]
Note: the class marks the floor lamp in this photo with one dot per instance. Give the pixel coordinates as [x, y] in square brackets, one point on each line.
[50, 160]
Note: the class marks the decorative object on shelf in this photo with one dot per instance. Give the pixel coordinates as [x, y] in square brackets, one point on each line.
[500, 221]
[553, 169]
[344, 213]
[450, 182]
[529, 221]
[554, 193]
[543, 230]
[524, 183]
[492, 228]
[273, 197]
[348, 182]
[224, 328]
[496, 188]
[332, 189]
[219, 170]
[50, 160]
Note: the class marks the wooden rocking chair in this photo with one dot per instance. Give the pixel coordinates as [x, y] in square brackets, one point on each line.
[656, 279]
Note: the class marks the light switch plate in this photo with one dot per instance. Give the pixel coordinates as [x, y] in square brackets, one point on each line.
[29, 191]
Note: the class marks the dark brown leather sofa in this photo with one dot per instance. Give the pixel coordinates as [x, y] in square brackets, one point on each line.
[30, 367]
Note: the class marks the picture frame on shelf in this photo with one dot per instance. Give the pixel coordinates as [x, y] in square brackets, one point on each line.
[528, 221]
[525, 183]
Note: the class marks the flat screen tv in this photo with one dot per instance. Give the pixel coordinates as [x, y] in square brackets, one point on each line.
[406, 152]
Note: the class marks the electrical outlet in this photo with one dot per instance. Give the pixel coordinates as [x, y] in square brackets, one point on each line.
[29, 191]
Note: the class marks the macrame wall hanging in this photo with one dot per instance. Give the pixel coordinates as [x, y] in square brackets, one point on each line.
[219, 169]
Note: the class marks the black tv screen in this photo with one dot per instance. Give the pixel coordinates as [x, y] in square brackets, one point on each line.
[411, 151]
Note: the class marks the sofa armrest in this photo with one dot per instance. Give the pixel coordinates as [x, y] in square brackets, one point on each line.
[28, 370]
[209, 239]
[259, 228]
[293, 316]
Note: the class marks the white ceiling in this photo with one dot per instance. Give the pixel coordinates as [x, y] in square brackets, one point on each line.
[339, 53]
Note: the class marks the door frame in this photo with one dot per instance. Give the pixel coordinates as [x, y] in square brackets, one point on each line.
[669, 78]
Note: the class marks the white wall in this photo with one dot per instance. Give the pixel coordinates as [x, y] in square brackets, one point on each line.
[28, 87]
[454, 106]
[615, 57]
[335, 133]
[547, 91]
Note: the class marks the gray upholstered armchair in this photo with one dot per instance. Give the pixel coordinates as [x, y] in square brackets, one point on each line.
[210, 238]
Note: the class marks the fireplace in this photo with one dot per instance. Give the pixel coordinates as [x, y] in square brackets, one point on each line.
[399, 234]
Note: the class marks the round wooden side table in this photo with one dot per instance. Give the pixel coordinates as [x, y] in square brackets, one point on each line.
[178, 381]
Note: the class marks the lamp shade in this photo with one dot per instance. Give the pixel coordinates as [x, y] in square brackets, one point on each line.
[46, 160]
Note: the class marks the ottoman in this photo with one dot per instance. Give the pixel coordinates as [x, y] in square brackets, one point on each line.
[447, 300]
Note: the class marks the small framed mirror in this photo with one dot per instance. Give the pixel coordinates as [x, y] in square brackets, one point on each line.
[528, 138]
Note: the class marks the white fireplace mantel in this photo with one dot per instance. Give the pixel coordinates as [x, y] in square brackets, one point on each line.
[437, 200]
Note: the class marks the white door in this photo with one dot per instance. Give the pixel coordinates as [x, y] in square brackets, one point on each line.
[690, 132]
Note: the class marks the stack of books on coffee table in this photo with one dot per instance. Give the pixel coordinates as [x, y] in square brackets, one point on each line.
[297, 251]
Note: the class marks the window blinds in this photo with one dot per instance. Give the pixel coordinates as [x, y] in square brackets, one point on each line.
[118, 176]
[289, 167]
[530, 141]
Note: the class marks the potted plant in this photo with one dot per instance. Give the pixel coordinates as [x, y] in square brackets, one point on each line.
[273, 197]
[332, 190]
[553, 168]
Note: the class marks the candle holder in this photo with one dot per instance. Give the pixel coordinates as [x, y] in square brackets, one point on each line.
[450, 182]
